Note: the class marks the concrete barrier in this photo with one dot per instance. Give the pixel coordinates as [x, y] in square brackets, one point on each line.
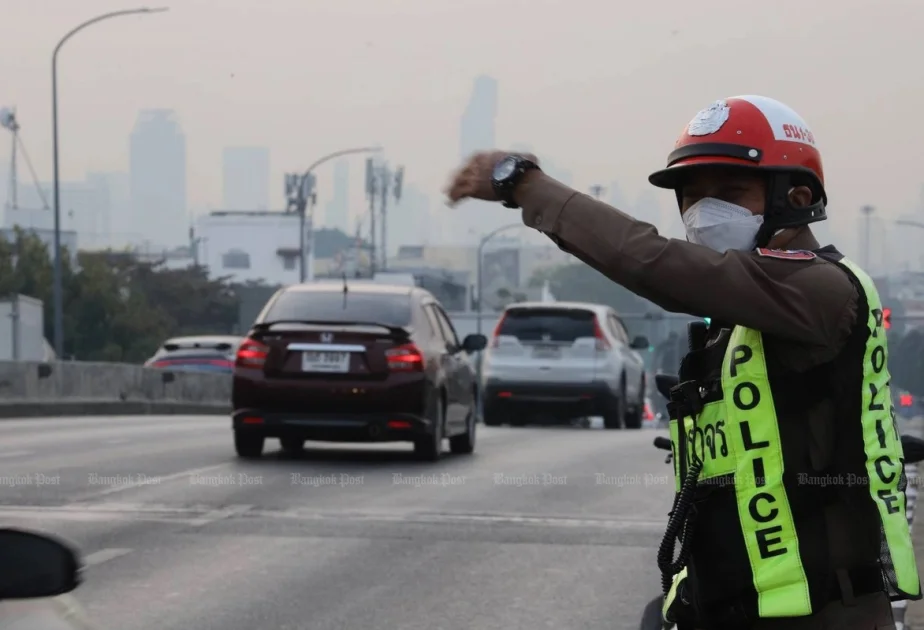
[29, 389]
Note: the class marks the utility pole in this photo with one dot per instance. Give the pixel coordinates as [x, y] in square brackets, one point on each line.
[300, 191]
[384, 180]
[597, 191]
[867, 212]
[371, 188]
[389, 182]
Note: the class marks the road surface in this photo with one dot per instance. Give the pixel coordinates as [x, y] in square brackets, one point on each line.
[541, 528]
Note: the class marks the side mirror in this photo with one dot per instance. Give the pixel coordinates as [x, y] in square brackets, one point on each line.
[474, 343]
[35, 566]
[913, 448]
[639, 343]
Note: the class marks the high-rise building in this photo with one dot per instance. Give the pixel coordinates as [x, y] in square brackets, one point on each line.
[158, 178]
[477, 133]
[337, 210]
[245, 178]
[477, 125]
[409, 220]
[118, 224]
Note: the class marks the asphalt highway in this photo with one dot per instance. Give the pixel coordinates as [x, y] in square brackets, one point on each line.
[540, 528]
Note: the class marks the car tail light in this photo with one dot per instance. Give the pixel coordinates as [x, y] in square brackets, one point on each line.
[905, 400]
[496, 334]
[251, 353]
[603, 343]
[406, 358]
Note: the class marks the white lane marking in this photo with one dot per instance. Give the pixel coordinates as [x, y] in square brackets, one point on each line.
[221, 514]
[5, 454]
[103, 555]
[145, 482]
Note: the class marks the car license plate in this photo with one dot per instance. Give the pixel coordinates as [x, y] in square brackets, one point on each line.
[546, 353]
[337, 362]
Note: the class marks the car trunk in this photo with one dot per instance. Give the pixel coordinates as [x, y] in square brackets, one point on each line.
[328, 351]
[548, 345]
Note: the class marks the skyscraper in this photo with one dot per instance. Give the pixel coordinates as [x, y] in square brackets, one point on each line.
[158, 178]
[477, 125]
[477, 133]
[337, 210]
[245, 178]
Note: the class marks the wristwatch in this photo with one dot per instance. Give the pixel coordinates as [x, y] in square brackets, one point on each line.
[507, 174]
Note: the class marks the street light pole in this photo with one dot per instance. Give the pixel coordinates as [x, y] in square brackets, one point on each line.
[302, 203]
[484, 241]
[57, 288]
[867, 212]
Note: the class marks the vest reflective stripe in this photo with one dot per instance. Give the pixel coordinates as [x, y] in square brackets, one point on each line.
[739, 435]
[882, 443]
[763, 507]
[672, 595]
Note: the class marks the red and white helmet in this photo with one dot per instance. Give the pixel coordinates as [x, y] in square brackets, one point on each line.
[753, 132]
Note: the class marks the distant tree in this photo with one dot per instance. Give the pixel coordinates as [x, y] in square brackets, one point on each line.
[328, 242]
[580, 283]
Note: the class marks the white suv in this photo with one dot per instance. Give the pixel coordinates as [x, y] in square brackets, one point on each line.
[565, 360]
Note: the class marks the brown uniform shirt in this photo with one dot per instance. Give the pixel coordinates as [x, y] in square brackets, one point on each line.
[806, 308]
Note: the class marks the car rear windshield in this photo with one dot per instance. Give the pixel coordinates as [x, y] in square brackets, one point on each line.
[548, 324]
[323, 306]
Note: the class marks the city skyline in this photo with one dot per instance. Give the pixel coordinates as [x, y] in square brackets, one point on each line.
[606, 97]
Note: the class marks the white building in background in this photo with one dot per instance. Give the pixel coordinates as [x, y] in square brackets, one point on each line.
[246, 178]
[249, 246]
[157, 167]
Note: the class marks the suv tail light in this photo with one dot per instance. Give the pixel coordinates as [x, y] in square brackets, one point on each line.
[251, 353]
[406, 358]
[603, 343]
[496, 334]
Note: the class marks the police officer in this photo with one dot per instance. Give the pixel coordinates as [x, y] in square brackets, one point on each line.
[782, 427]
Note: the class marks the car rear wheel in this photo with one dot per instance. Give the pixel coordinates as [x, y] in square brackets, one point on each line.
[493, 417]
[615, 414]
[429, 448]
[635, 415]
[292, 445]
[248, 445]
[464, 444]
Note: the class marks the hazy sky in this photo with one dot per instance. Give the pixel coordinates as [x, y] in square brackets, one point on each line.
[602, 87]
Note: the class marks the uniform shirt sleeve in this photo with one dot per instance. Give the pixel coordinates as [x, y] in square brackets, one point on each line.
[810, 304]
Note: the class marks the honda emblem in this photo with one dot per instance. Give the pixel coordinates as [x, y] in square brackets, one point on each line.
[327, 337]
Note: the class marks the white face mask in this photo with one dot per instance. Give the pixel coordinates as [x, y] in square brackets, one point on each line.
[721, 226]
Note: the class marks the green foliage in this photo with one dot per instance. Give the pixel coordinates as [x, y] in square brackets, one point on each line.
[117, 308]
[580, 283]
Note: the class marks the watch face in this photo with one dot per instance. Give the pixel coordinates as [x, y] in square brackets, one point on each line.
[505, 168]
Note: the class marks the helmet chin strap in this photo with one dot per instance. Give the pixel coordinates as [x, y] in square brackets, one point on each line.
[780, 214]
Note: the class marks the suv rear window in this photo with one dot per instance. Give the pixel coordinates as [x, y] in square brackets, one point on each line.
[548, 324]
[330, 306]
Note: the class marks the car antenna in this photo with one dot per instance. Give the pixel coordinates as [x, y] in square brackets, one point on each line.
[346, 289]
